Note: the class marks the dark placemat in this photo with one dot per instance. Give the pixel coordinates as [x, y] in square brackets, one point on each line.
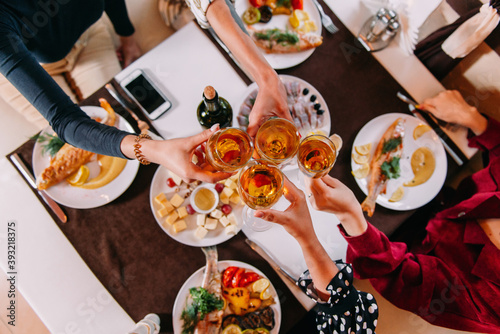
[138, 263]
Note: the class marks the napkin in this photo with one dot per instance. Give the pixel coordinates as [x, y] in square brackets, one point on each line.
[471, 33]
[412, 14]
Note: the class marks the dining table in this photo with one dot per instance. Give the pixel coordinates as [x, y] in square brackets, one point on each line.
[109, 266]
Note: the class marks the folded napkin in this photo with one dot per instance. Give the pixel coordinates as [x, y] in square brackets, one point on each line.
[412, 14]
[471, 33]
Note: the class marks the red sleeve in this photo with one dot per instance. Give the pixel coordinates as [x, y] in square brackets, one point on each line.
[489, 140]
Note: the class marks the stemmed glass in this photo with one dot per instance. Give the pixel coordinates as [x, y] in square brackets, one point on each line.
[277, 141]
[260, 186]
[316, 155]
[229, 149]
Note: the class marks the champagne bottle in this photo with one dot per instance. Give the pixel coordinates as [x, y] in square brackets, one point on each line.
[214, 109]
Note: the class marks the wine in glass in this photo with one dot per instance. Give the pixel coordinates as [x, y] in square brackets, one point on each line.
[260, 186]
[316, 155]
[277, 141]
[229, 149]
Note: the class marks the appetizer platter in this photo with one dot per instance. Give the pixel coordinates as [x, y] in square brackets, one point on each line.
[97, 179]
[249, 302]
[309, 110]
[399, 161]
[172, 207]
[287, 31]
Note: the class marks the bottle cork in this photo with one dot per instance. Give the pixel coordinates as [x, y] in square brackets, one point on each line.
[209, 93]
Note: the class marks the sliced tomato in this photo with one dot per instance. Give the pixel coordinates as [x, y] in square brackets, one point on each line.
[248, 278]
[257, 3]
[237, 277]
[298, 4]
[227, 276]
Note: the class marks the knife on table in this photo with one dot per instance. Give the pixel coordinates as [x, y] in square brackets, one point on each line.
[28, 176]
[268, 257]
[448, 144]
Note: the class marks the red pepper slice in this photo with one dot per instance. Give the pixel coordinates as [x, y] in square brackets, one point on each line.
[227, 276]
[237, 277]
[249, 278]
[297, 4]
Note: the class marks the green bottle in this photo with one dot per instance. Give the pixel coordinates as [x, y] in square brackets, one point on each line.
[214, 109]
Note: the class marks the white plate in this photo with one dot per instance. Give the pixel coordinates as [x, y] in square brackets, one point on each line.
[187, 237]
[417, 196]
[279, 60]
[304, 84]
[79, 198]
[196, 280]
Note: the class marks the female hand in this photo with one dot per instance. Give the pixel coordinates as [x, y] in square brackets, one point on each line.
[296, 218]
[330, 195]
[129, 50]
[451, 107]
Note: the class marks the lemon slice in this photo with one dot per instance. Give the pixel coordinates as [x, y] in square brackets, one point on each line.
[337, 141]
[310, 26]
[232, 329]
[361, 172]
[294, 22]
[300, 15]
[79, 178]
[420, 130]
[363, 149]
[266, 294]
[260, 285]
[397, 195]
[360, 159]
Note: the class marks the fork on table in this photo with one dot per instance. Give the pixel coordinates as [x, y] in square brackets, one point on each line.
[326, 20]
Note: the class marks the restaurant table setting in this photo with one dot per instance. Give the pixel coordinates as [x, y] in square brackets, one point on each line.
[138, 263]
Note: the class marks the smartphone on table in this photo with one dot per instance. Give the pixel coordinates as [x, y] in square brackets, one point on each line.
[140, 87]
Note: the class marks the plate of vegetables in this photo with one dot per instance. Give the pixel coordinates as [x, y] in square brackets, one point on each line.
[250, 303]
[287, 31]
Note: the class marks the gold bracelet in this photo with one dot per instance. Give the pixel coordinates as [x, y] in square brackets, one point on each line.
[137, 148]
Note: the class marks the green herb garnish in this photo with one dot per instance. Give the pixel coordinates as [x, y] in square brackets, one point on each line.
[203, 303]
[391, 169]
[51, 144]
[391, 144]
[281, 37]
[284, 3]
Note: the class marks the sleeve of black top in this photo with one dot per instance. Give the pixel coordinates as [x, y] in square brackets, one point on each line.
[117, 13]
[69, 122]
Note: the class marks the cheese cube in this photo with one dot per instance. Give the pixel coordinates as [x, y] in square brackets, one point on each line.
[201, 232]
[172, 218]
[232, 219]
[224, 221]
[211, 224]
[177, 179]
[224, 198]
[177, 200]
[160, 198]
[162, 212]
[230, 183]
[227, 191]
[230, 229]
[200, 220]
[166, 204]
[234, 177]
[216, 214]
[182, 212]
[179, 226]
[235, 198]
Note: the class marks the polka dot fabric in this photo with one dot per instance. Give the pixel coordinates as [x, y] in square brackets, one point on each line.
[342, 313]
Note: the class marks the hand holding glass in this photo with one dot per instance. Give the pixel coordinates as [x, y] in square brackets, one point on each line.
[316, 156]
[277, 141]
[229, 149]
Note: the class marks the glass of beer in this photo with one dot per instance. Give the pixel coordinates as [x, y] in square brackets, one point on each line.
[277, 141]
[316, 155]
[229, 149]
[260, 186]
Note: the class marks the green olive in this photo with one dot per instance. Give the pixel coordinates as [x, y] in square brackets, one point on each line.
[251, 15]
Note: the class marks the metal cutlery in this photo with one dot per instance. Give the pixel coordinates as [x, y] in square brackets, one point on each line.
[143, 126]
[28, 176]
[448, 144]
[270, 259]
[325, 19]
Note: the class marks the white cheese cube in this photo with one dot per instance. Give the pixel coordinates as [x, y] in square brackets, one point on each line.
[160, 198]
[177, 179]
[227, 191]
[224, 198]
[201, 232]
[172, 218]
[229, 183]
[177, 200]
[224, 221]
[179, 226]
[234, 177]
[216, 214]
[200, 220]
[182, 212]
[232, 219]
[235, 198]
[230, 229]
[211, 224]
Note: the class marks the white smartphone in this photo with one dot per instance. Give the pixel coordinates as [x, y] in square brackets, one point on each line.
[142, 90]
